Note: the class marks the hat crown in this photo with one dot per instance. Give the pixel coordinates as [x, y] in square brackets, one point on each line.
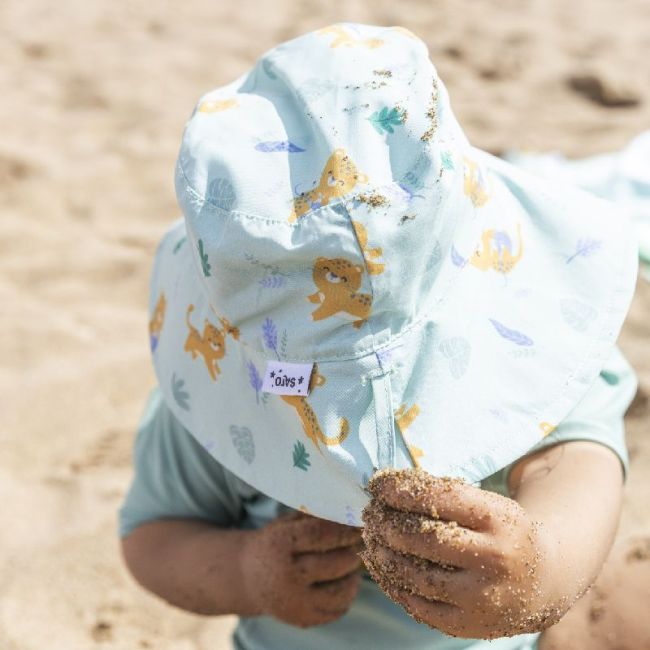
[321, 192]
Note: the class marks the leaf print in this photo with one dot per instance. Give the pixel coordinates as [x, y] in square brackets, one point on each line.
[272, 282]
[384, 120]
[178, 244]
[610, 378]
[456, 258]
[511, 335]
[270, 333]
[242, 440]
[457, 351]
[205, 265]
[181, 397]
[300, 456]
[279, 145]
[585, 248]
[414, 179]
[222, 193]
[254, 379]
[447, 160]
[577, 315]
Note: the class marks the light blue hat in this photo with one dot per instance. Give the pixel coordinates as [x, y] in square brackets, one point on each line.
[354, 286]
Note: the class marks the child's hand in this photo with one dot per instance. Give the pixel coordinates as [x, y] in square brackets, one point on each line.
[468, 562]
[302, 570]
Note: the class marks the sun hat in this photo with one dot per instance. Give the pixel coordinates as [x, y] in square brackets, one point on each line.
[354, 286]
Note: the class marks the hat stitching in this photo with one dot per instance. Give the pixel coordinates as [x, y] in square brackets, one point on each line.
[342, 200]
[366, 351]
[355, 234]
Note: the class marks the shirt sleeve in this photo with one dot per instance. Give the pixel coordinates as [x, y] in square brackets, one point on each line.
[598, 417]
[174, 476]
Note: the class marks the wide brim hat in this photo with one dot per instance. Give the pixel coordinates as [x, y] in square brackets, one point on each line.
[445, 309]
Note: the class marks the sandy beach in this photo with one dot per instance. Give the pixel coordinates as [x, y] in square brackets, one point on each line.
[94, 99]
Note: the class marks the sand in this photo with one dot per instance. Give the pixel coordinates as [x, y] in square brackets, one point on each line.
[94, 98]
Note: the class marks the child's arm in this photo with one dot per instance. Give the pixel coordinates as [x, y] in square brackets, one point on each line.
[299, 569]
[511, 566]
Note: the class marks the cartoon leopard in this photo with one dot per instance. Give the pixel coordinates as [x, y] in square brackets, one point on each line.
[157, 320]
[339, 177]
[338, 281]
[308, 417]
[211, 345]
[497, 251]
[374, 268]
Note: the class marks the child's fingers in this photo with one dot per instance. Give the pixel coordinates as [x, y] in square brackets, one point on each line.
[330, 565]
[336, 594]
[311, 535]
[441, 616]
[436, 541]
[416, 491]
[431, 581]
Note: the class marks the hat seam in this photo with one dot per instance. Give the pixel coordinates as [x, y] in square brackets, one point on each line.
[250, 215]
[373, 348]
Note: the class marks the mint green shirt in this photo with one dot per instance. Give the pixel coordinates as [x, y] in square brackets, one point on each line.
[177, 477]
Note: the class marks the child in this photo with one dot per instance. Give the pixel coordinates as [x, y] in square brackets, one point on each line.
[355, 288]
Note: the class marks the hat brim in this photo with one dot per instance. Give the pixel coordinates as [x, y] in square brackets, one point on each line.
[459, 392]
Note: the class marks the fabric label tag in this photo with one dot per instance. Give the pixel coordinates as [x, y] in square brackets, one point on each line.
[284, 378]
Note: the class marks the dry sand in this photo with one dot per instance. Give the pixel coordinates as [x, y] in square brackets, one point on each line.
[94, 97]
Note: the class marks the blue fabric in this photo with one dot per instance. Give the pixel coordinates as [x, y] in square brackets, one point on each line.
[176, 477]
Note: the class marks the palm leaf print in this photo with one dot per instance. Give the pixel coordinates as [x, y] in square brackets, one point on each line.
[180, 396]
[300, 456]
[242, 440]
[205, 265]
[511, 335]
[385, 119]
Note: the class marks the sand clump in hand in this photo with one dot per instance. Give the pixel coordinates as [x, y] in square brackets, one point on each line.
[378, 517]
